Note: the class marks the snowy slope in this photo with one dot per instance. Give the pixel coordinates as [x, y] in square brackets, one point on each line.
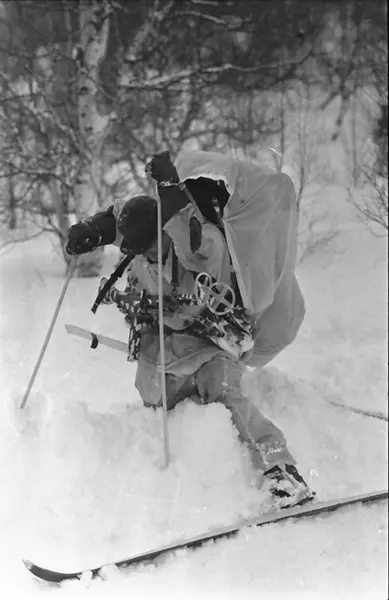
[80, 466]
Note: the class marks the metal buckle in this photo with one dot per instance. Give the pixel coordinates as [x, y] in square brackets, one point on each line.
[219, 297]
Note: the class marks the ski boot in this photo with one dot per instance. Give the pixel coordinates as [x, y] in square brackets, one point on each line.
[287, 487]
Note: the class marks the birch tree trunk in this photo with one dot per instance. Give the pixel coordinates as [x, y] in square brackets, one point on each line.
[46, 77]
[94, 19]
[12, 220]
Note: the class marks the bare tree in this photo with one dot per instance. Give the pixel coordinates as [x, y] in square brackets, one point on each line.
[372, 204]
[93, 125]
[368, 147]
[300, 148]
[371, 197]
[98, 91]
[34, 161]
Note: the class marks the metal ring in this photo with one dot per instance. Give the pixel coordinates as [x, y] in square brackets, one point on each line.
[218, 296]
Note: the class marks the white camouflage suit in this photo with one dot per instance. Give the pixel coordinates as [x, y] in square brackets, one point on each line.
[197, 366]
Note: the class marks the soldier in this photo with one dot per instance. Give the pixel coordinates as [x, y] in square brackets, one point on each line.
[194, 364]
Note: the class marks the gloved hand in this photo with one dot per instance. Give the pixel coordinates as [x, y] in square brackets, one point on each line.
[88, 234]
[162, 169]
[82, 238]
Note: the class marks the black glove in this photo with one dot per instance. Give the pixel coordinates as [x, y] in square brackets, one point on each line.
[162, 169]
[173, 199]
[92, 232]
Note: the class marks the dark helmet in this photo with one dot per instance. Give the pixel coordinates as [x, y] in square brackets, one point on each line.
[137, 222]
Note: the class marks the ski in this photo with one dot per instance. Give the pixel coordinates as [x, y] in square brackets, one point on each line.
[307, 510]
[97, 338]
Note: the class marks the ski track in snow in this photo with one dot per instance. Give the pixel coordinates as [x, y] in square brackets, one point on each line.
[80, 466]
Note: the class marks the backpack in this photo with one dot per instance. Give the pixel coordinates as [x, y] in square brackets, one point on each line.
[259, 219]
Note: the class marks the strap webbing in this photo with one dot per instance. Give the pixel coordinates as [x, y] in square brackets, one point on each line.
[174, 279]
[118, 272]
[234, 281]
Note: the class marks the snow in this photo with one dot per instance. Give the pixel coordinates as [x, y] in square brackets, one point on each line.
[81, 475]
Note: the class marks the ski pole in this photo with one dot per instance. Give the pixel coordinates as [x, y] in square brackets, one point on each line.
[161, 366]
[72, 266]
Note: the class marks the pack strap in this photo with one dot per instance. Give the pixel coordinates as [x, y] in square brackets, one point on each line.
[218, 212]
[234, 280]
[174, 278]
[118, 272]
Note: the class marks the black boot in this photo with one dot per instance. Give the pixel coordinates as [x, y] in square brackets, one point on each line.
[287, 486]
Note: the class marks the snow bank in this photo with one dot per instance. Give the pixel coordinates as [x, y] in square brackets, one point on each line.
[80, 467]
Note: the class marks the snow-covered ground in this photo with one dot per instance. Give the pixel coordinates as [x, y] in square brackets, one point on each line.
[81, 477]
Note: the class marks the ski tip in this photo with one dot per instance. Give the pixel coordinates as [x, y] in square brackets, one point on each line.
[28, 564]
[44, 574]
[33, 568]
